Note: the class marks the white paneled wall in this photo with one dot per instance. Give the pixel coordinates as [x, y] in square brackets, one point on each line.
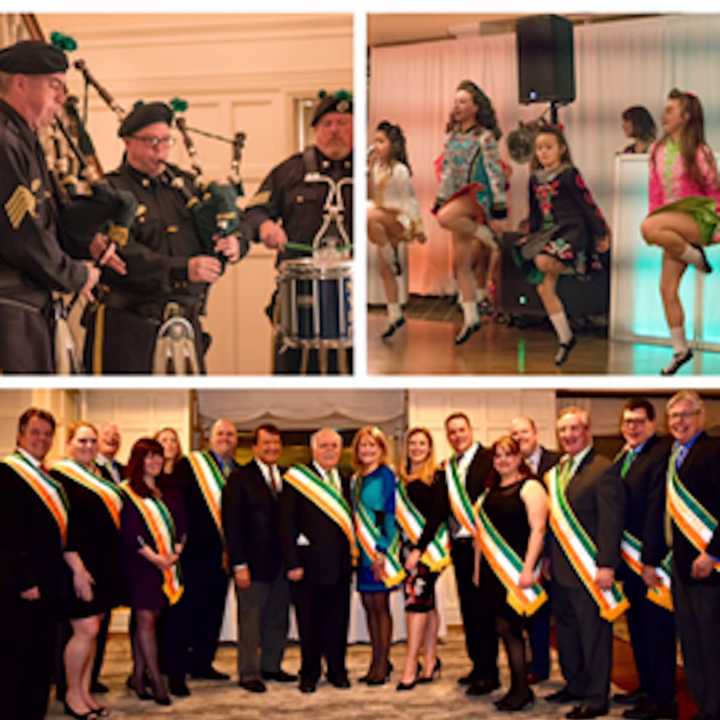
[490, 412]
[138, 413]
[237, 72]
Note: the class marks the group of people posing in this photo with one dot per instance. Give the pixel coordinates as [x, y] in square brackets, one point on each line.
[146, 278]
[530, 533]
[565, 232]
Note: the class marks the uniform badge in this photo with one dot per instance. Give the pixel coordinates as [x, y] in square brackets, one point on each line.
[343, 106]
[22, 202]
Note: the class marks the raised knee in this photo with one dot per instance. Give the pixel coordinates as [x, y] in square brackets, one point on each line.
[648, 228]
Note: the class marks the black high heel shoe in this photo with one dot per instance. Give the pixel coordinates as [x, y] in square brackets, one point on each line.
[436, 672]
[101, 711]
[513, 704]
[142, 694]
[90, 715]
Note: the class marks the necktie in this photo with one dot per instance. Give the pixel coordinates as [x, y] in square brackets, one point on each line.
[565, 472]
[275, 480]
[627, 462]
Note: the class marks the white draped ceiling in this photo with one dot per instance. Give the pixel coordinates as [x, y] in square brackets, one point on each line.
[303, 409]
[617, 64]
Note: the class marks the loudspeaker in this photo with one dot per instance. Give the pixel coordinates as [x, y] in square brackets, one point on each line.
[581, 298]
[546, 59]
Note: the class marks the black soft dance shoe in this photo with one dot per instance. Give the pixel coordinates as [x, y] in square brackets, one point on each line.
[392, 328]
[705, 266]
[678, 360]
[563, 351]
[467, 332]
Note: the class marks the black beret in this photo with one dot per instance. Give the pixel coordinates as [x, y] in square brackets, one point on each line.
[339, 102]
[32, 57]
[144, 114]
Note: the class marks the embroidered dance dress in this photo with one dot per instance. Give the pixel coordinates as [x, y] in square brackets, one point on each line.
[94, 536]
[672, 189]
[376, 492]
[564, 223]
[471, 164]
[391, 189]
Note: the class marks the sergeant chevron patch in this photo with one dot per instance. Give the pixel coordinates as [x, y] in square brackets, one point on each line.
[21, 203]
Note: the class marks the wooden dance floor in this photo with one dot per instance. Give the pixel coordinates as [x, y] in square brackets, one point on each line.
[425, 347]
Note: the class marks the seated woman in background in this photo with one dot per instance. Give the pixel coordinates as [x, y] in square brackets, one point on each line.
[511, 519]
[393, 212]
[151, 550]
[638, 124]
[93, 552]
[415, 500]
[684, 196]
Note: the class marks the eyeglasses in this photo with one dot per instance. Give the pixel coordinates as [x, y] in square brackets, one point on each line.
[155, 142]
[634, 422]
[682, 414]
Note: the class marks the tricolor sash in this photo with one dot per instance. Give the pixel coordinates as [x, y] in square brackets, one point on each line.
[580, 549]
[326, 498]
[109, 493]
[48, 490]
[507, 564]
[631, 552]
[211, 482]
[368, 536]
[161, 527]
[695, 522]
[410, 519]
[460, 504]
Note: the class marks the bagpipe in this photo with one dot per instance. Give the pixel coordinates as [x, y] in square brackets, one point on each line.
[214, 206]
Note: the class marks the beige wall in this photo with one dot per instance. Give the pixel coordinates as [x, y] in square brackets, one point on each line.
[237, 72]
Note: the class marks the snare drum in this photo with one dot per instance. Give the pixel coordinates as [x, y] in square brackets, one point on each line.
[315, 303]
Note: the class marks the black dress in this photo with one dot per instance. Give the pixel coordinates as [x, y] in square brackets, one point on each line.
[419, 586]
[508, 513]
[143, 579]
[92, 534]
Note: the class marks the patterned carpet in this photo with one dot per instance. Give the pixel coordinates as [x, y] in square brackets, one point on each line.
[225, 701]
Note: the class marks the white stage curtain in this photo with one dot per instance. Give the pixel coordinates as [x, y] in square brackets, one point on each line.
[302, 408]
[617, 64]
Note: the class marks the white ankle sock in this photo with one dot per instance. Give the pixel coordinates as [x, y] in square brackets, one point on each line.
[394, 312]
[481, 294]
[679, 343]
[470, 312]
[692, 256]
[562, 327]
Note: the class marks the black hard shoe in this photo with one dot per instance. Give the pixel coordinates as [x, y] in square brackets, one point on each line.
[678, 360]
[98, 688]
[563, 351]
[630, 698]
[482, 687]
[342, 682]
[178, 687]
[585, 712]
[210, 674]
[392, 328]
[253, 686]
[468, 679]
[515, 704]
[467, 332]
[307, 686]
[279, 676]
[561, 696]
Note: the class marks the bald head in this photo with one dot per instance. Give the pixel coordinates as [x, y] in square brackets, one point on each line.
[109, 440]
[223, 438]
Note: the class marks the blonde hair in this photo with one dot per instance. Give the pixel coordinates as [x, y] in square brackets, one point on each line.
[583, 414]
[74, 427]
[428, 468]
[377, 436]
[690, 395]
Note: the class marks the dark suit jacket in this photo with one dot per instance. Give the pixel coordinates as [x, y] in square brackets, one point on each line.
[475, 483]
[644, 480]
[251, 521]
[31, 551]
[548, 459]
[326, 559]
[700, 473]
[597, 498]
[106, 473]
[204, 541]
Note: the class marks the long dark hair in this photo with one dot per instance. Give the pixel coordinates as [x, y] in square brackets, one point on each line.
[136, 465]
[507, 443]
[692, 137]
[556, 132]
[641, 121]
[398, 144]
[485, 115]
